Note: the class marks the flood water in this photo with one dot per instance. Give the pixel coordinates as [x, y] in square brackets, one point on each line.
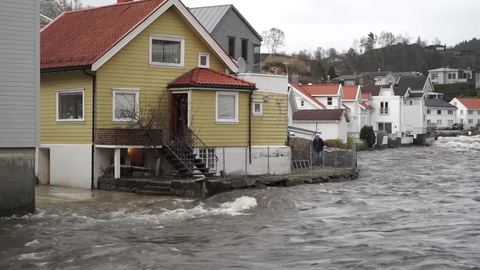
[412, 208]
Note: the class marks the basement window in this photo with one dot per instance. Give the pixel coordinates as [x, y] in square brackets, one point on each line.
[257, 108]
[70, 105]
[167, 51]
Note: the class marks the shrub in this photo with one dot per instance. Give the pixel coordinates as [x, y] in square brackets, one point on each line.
[334, 143]
[368, 135]
[350, 141]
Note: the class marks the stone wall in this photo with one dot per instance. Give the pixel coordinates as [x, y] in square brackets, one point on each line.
[17, 181]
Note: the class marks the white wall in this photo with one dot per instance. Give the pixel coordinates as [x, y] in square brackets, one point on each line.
[308, 103]
[355, 123]
[330, 130]
[42, 165]
[274, 160]
[447, 120]
[414, 116]
[70, 166]
[336, 101]
[394, 115]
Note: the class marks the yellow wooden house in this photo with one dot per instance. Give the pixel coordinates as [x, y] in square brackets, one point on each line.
[142, 55]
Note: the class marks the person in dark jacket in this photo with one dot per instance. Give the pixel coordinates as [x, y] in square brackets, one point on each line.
[318, 147]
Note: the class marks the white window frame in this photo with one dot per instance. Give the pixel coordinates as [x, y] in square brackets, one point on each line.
[470, 121]
[385, 109]
[116, 91]
[470, 112]
[461, 112]
[261, 107]
[439, 122]
[226, 121]
[200, 55]
[329, 101]
[439, 112]
[302, 103]
[450, 112]
[181, 65]
[76, 90]
[429, 111]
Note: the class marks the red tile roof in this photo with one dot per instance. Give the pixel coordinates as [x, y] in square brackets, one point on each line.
[319, 115]
[80, 38]
[366, 106]
[305, 93]
[350, 92]
[470, 103]
[206, 77]
[321, 89]
[366, 95]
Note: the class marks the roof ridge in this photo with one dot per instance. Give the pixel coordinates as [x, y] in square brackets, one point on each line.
[110, 5]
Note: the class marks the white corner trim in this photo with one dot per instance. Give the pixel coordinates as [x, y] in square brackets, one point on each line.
[75, 90]
[141, 27]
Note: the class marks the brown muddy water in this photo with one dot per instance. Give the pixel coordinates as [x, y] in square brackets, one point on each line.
[412, 208]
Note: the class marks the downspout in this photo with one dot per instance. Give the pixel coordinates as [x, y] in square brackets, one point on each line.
[250, 126]
[94, 118]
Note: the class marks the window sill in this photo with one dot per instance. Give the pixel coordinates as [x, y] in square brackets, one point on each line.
[257, 115]
[227, 122]
[71, 121]
[160, 65]
[120, 122]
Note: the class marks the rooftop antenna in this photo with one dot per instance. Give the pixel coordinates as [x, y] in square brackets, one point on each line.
[242, 65]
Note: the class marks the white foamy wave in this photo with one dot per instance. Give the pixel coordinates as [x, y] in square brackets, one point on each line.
[34, 242]
[461, 143]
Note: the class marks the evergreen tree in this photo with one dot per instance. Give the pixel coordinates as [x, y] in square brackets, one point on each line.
[332, 73]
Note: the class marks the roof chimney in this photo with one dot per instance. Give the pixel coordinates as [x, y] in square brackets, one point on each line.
[295, 80]
[123, 1]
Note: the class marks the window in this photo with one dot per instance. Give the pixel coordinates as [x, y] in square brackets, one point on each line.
[208, 156]
[227, 108]
[256, 57]
[470, 121]
[383, 107]
[302, 103]
[429, 121]
[470, 111]
[429, 111]
[204, 60]
[257, 108]
[231, 46]
[455, 103]
[478, 112]
[478, 121]
[126, 103]
[449, 76]
[245, 49]
[70, 105]
[461, 111]
[167, 51]
[450, 112]
[454, 76]
[432, 76]
[411, 102]
[439, 122]
[439, 111]
[450, 122]
[386, 127]
[329, 101]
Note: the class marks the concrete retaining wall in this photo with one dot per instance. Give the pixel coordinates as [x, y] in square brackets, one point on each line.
[17, 181]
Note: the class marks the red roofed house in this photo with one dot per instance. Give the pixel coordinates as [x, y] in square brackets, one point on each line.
[106, 68]
[468, 112]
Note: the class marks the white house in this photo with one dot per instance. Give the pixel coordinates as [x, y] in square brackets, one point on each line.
[413, 111]
[381, 77]
[440, 113]
[468, 112]
[352, 98]
[331, 95]
[366, 110]
[453, 75]
[331, 123]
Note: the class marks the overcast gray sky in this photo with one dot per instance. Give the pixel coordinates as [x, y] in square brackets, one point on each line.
[309, 24]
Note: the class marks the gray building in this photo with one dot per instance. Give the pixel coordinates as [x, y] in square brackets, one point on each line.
[19, 104]
[233, 32]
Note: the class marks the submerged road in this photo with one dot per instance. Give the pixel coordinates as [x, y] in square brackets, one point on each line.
[412, 208]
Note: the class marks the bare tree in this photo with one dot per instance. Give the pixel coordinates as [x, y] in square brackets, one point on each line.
[273, 39]
[53, 8]
[436, 41]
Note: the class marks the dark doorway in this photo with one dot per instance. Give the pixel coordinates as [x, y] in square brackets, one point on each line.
[179, 113]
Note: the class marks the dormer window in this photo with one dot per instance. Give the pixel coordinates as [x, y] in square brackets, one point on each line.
[167, 51]
[204, 60]
[329, 101]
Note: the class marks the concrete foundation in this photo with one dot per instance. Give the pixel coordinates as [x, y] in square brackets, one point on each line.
[17, 181]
